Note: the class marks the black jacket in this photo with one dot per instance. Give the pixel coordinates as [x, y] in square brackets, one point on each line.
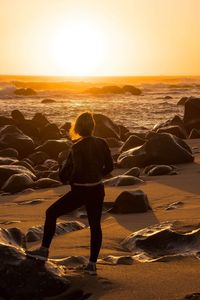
[88, 162]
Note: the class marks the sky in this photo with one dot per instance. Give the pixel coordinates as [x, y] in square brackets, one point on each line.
[100, 38]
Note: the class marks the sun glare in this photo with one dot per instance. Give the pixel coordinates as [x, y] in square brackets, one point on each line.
[78, 49]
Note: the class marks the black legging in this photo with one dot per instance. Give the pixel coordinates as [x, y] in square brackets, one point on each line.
[92, 197]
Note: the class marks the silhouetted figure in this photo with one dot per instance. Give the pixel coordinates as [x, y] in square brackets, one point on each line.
[89, 160]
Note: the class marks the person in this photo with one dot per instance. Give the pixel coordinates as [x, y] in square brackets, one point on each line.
[89, 160]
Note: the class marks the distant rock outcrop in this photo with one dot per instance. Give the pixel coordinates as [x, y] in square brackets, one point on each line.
[25, 92]
[113, 89]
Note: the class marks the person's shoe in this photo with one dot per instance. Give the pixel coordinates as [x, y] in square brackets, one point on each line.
[40, 253]
[90, 269]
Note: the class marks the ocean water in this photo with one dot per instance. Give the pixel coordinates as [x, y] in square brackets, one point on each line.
[135, 112]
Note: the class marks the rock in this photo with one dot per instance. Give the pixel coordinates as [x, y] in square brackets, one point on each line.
[49, 163]
[13, 137]
[160, 242]
[127, 161]
[122, 132]
[131, 89]
[25, 92]
[36, 233]
[25, 164]
[6, 121]
[132, 142]
[43, 174]
[105, 127]
[9, 152]
[182, 101]
[38, 157]
[118, 260]
[114, 90]
[131, 202]
[62, 156]
[28, 128]
[155, 170]
[113, 142]
[17, 183]
[54, 175]
[17, 115]
[175, 130]
[192, 114]
[44, 183]
[48, 100]
[162, 148]
[193, 296]
[135, 171]
[25, 278]
[194, 134]
[71, 261]
[7, 171]
[39, 120]
[168, 97]
[123, 180]
[49, 132]
[174, 205]
[7, 160]
[54, 147]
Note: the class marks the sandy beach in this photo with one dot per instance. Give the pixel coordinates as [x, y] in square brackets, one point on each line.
[171, 279]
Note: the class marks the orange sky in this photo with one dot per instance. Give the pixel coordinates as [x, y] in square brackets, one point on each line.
[104, 37]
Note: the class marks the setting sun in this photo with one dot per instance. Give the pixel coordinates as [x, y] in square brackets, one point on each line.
[78, 48]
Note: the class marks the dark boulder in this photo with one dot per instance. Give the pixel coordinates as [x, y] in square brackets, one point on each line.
[182, 101]
[7, 160]
[135, 171]
[38, 157]
[17, 183]
[24, 278]
[155, 170]
[6, 121]
[39, 120]
[17, 115]
[13, 137]
[123, 180]
[175, 130]
[113, 142]
[49, 132]
[162, 148]
[131, 202]
[192, 114]
[44, 183]
[9, 152]
[132, 142]
[194, 134]
[7, 171]
[105, 127]
[53, 147]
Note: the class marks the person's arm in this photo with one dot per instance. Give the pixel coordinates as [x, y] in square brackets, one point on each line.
[108, 161]
[65, 170]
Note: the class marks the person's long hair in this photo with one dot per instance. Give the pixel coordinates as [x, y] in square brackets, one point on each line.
[83, 126]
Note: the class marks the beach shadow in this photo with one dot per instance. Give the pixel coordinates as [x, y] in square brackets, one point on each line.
[187, 179]
[135, 222]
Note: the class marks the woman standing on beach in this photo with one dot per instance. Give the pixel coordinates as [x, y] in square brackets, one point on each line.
[88, 162]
